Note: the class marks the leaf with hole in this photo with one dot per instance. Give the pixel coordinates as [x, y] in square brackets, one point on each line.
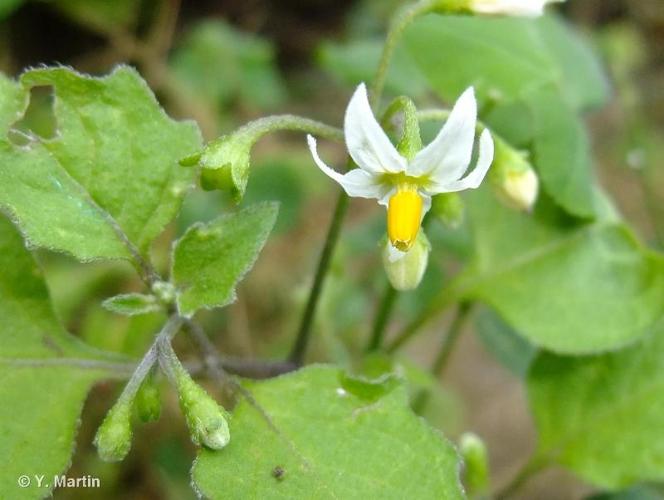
[109, 181]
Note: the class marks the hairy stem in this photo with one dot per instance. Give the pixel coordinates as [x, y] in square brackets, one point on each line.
[166, 334]
[257, 128]
[299, 348]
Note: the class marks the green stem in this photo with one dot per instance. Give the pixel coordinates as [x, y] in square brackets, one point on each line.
[382, 318]
[450, 340]
[532, 467]
[297, 354]
[258, 128]
[165, 335]
[446, 299]
[446, 348]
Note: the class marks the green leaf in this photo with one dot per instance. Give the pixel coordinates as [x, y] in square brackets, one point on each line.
[602, 416]
[561, 153]
[13, 102]
[210, 259]
[131, 304]
[45, 375]
[109, 179]
[379, 447]
[584, 81]
[566, 287]
[505, 58]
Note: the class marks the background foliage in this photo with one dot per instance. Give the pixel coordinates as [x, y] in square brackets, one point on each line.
[561, 361]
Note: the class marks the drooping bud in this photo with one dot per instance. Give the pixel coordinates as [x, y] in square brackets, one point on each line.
[113, 439]
[406, 269]
[474, 454]
[448, 208]
[513, 177]
[525, 8]
[520, 189]
[148, 400]
[207, 421]
[225, 162]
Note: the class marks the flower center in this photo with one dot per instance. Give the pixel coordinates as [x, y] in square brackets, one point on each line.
[404, 214]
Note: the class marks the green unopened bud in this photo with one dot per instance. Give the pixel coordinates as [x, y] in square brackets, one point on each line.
[448, 208]
[113, 439]
[513, 177]
[225, 162]
[164, 291]
[148, 400]
[410, 142]
[207, 421]
[405, 269]
[473, 451]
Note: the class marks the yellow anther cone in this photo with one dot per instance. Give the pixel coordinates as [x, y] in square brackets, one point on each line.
[404, 214]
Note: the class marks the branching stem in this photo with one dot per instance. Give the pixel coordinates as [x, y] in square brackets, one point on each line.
[166, 334]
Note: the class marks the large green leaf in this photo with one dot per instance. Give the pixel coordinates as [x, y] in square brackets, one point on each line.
[108, 177]
[561, 153]
[337, 438]
[505, 58]
[566, 287]
[44, 378]
[602, 416]
[210, 259]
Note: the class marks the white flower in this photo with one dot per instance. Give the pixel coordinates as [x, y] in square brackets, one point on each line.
[528, 8]
[406, 187]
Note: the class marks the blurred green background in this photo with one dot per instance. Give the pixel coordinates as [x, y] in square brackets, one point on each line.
[223, 63]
